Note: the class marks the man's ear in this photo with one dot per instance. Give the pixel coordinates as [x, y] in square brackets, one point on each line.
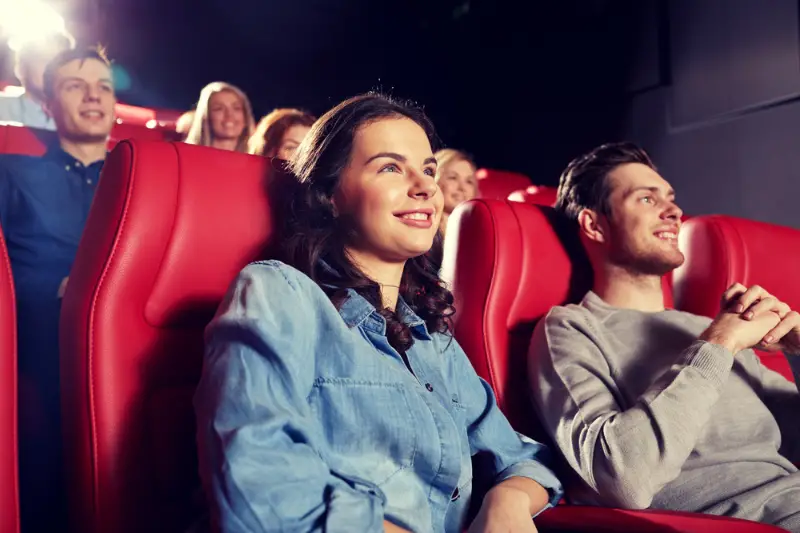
[589, 223]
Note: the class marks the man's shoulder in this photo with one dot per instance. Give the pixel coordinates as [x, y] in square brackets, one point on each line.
[563, 315]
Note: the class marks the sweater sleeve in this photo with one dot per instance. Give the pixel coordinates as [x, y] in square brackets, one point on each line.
[783, 400]
[624, 455]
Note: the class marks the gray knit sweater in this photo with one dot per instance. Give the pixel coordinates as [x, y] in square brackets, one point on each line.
[650, 417]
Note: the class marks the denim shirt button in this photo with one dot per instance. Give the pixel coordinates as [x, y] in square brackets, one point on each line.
[429, 387]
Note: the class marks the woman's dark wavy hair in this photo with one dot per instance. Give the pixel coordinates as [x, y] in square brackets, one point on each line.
[314, 233]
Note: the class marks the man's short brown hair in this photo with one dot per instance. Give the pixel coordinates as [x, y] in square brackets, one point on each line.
[584, 183]
[81, 54]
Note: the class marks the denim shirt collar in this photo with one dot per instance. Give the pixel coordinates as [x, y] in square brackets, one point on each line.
[356, 310]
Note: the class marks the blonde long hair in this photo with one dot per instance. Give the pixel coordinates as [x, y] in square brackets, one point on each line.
[200, 132]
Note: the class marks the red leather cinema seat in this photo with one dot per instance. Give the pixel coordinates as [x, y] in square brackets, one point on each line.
[498, 184]
[16, 139]
[722, 250]
[535, 194]
[509, 263]
[170, 227]
[9, 487]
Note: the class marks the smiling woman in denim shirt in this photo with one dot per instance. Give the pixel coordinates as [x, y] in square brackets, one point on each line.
[334, 397]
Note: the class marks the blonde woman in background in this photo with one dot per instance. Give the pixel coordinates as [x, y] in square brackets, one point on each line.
[279, 133]
[455, 176]
[223, 118]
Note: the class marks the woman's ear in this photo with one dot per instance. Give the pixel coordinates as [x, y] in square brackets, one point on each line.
[590, 227]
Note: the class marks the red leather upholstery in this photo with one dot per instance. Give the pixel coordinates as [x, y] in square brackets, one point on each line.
[9, 487]
[535, 194]
[23, 141]
[509, 263]
[722, 250]
[28, 141]
[498, 184]
[170, 227]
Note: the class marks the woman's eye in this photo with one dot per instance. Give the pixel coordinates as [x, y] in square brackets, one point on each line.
[390, 168]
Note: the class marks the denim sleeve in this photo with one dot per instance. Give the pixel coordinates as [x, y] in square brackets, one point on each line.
[258, 461]
[491, 433]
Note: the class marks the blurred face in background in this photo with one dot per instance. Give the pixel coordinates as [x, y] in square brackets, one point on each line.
[458, 183]
[291, 139]
[226, 114]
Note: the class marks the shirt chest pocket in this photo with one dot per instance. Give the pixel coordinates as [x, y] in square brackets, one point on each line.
[368, 427]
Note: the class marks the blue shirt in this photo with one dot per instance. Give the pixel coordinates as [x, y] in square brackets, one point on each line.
[44, 202]
[308, 420]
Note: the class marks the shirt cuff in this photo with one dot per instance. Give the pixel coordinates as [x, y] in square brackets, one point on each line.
[540, 474]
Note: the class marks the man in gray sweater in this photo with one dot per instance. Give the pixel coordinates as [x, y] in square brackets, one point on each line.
[656, 408]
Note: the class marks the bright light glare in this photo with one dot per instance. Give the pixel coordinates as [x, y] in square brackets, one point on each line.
[26, 21]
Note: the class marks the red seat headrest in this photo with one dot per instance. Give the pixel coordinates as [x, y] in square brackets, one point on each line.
[498, 184]
[535, 194]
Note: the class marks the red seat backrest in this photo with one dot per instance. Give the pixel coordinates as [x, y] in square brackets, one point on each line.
[168, 231]
[509, 263]
[498, 184]
[722, 250]
[15, 139]
[535, 194]
[9, 487]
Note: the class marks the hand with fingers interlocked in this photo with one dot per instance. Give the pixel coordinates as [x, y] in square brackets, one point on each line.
[756, 304]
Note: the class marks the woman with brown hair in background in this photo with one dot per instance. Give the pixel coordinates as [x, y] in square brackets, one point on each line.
[280, 133]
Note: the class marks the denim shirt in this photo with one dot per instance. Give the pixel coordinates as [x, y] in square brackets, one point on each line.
[308, 420]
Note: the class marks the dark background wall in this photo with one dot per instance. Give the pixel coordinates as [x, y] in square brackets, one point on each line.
[710, 87]
[716, 100]
[523, 85]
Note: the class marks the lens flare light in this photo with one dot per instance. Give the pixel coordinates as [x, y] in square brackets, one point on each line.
[25, 21]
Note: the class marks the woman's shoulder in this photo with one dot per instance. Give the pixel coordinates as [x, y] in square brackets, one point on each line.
[272, 283]
[273, 271]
